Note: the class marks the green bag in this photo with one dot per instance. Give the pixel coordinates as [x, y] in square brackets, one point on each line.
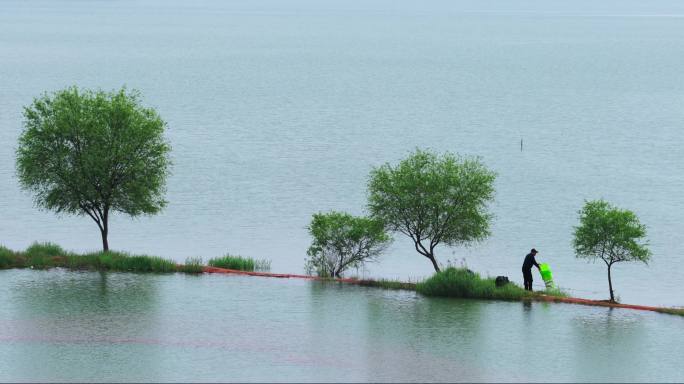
[546, 275]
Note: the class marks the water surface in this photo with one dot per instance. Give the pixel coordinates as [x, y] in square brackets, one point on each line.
[87, 326]
[279, 109]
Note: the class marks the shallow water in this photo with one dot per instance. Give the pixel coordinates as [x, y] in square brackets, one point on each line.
[279, 109]
[86, 326]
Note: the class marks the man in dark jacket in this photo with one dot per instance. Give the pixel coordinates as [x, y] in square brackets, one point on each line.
[527, 268]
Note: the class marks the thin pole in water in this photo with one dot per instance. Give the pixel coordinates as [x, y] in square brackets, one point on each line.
[521, 144]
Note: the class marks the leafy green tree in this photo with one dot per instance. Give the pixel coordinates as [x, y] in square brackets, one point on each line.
[610, 234]
[433, 199]
[342, 241]
[92, 153]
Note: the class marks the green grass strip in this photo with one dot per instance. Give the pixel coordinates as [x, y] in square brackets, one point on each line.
[240, 263]
[463, 283]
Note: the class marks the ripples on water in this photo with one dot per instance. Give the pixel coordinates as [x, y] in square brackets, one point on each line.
[71, 326]
[278, 110]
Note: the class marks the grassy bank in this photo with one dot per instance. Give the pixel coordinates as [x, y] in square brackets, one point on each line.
[451, 282]
[240, 263]
[388, 284]
[671, 311]
[47, 255]
[463, 283]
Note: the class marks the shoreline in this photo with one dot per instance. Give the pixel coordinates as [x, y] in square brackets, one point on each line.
[397, 285]
[538, 297]
[46, 256]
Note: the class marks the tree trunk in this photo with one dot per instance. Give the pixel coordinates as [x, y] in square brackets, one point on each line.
[434, 262]
[610, 285]
[105, 242]
[105, 230]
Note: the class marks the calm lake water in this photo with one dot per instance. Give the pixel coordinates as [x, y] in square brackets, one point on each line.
[279, 109]
[75, 326]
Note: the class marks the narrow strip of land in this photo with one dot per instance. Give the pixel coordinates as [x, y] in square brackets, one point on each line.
[278, 275]
[539, 297]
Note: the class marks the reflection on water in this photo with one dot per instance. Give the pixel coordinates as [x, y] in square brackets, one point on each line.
[85, 326]
[66, 310]
[617, 333]
[399, 333]
[277, 110]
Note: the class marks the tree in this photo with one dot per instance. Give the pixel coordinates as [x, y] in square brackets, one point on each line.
[610, 234]
[433, 200]
[342, 241]
[93, 153]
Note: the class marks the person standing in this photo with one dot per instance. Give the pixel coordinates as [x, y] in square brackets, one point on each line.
[527, 268]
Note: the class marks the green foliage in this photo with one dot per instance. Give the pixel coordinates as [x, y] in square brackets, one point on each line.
[239, 263]
[90, 261]
[143, 263]
[388, 284]
[121, 262]
[555, 291]
[192, 265]
[610, 234]
[92, 152]
[433, 199]
[44, 250]
[671, 311]
[43, 255]
[463, 283]
[47, 255]
[341, 241]
[7, 258]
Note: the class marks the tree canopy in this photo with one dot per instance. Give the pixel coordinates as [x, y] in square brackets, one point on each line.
[608, 233]
[433, 199]
[90, 153]
[341, 241]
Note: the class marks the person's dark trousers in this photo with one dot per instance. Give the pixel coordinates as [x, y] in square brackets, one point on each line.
[527, 277]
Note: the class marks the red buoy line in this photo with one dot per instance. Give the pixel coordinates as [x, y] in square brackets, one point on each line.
[597, 303]
[269, 274]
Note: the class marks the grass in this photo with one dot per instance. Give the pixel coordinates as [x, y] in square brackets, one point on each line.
[672, 311]
[48, 255]
[556, 292]
[240, 263]
[193, 265]
[451, 282]
[388, 284]
[7, 258]
[463, 283]
[42, 255]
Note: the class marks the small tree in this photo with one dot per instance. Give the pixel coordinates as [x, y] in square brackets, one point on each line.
[342, 241]
[92, 153]
[433, 200]
[610, 234]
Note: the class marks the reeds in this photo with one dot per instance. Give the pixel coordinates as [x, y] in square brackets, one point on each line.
[48, 255]
[671, 311]
[240, 263]
[193, 265]
[463, 283]
[388, 284]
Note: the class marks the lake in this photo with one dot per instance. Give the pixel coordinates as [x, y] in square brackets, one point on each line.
[86, 326]
[279, 109]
